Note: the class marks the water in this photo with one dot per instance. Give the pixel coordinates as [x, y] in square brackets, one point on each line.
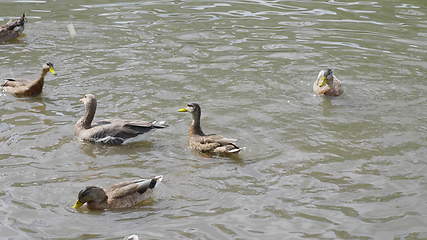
[351, 167]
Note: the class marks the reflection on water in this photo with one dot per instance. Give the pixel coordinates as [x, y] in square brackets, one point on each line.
[320, 168]
[130, 148]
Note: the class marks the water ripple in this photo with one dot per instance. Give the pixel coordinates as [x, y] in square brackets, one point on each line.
[351, 167]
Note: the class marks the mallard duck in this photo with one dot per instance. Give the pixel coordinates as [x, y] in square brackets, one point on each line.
[112, 132]
[327, 84]
[120, 195]
[28, 88]
[12, 29]
[203, 143]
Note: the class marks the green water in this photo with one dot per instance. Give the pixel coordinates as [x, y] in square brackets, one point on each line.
[352, 167]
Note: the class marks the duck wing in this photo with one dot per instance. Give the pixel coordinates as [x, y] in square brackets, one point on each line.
[218, 144]
[336, 89]
[116, 131]
[212, 138]
[132, 124]
[20, 88]
[11, 82]
[337, 86]
[138, 186]
[129, 194]
[6, 34]
[108, 133]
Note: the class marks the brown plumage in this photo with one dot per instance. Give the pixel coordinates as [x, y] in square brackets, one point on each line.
[112, 132]
[121, 195]
[28, 88]
[203, 143]
[12, 29]
[327, 84]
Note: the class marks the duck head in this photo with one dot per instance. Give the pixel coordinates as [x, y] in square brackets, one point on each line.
[48, 67]
[325, 77]
[192, 108]
[88, 98]
[91, 195]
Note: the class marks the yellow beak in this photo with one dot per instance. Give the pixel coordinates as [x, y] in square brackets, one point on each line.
[78, 204]
[52, 70]
[182, 110]
[322, 81]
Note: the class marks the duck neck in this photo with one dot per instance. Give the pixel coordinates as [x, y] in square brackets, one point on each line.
[195, 128]
[40, 81]
[86, 120]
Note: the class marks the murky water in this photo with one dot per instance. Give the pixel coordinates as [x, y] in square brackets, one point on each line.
[352, 167]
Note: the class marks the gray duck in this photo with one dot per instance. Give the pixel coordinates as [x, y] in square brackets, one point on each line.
[327, 84]
[121, 195]
[112, 132]
[200, 142]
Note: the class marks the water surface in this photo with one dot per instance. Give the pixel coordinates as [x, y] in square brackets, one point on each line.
[351, 167]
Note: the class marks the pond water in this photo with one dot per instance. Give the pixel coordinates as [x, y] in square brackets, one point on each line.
[351, 167]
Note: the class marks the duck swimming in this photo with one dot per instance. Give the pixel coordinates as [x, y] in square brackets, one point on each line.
[327, 84]
[203, 143]
[28, 88]
[112, 132]
[120, 195]
[12, 29]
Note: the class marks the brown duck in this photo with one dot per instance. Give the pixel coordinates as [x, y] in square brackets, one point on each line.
[327, 84]
[111, 132]
[203, 143]
[28, 88]
[12, 29]
[121, 195]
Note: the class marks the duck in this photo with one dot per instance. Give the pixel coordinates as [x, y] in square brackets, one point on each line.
[121, 195]
[327, 84]
[109, 131]
[12, 29]
[203, 143]
[28, 88]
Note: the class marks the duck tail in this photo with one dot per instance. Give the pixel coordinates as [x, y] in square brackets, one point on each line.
[22, 20]
[159, 124]
[235, 150]
[148, 184]
[155, 180]
[7, 80]
[17, 25]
